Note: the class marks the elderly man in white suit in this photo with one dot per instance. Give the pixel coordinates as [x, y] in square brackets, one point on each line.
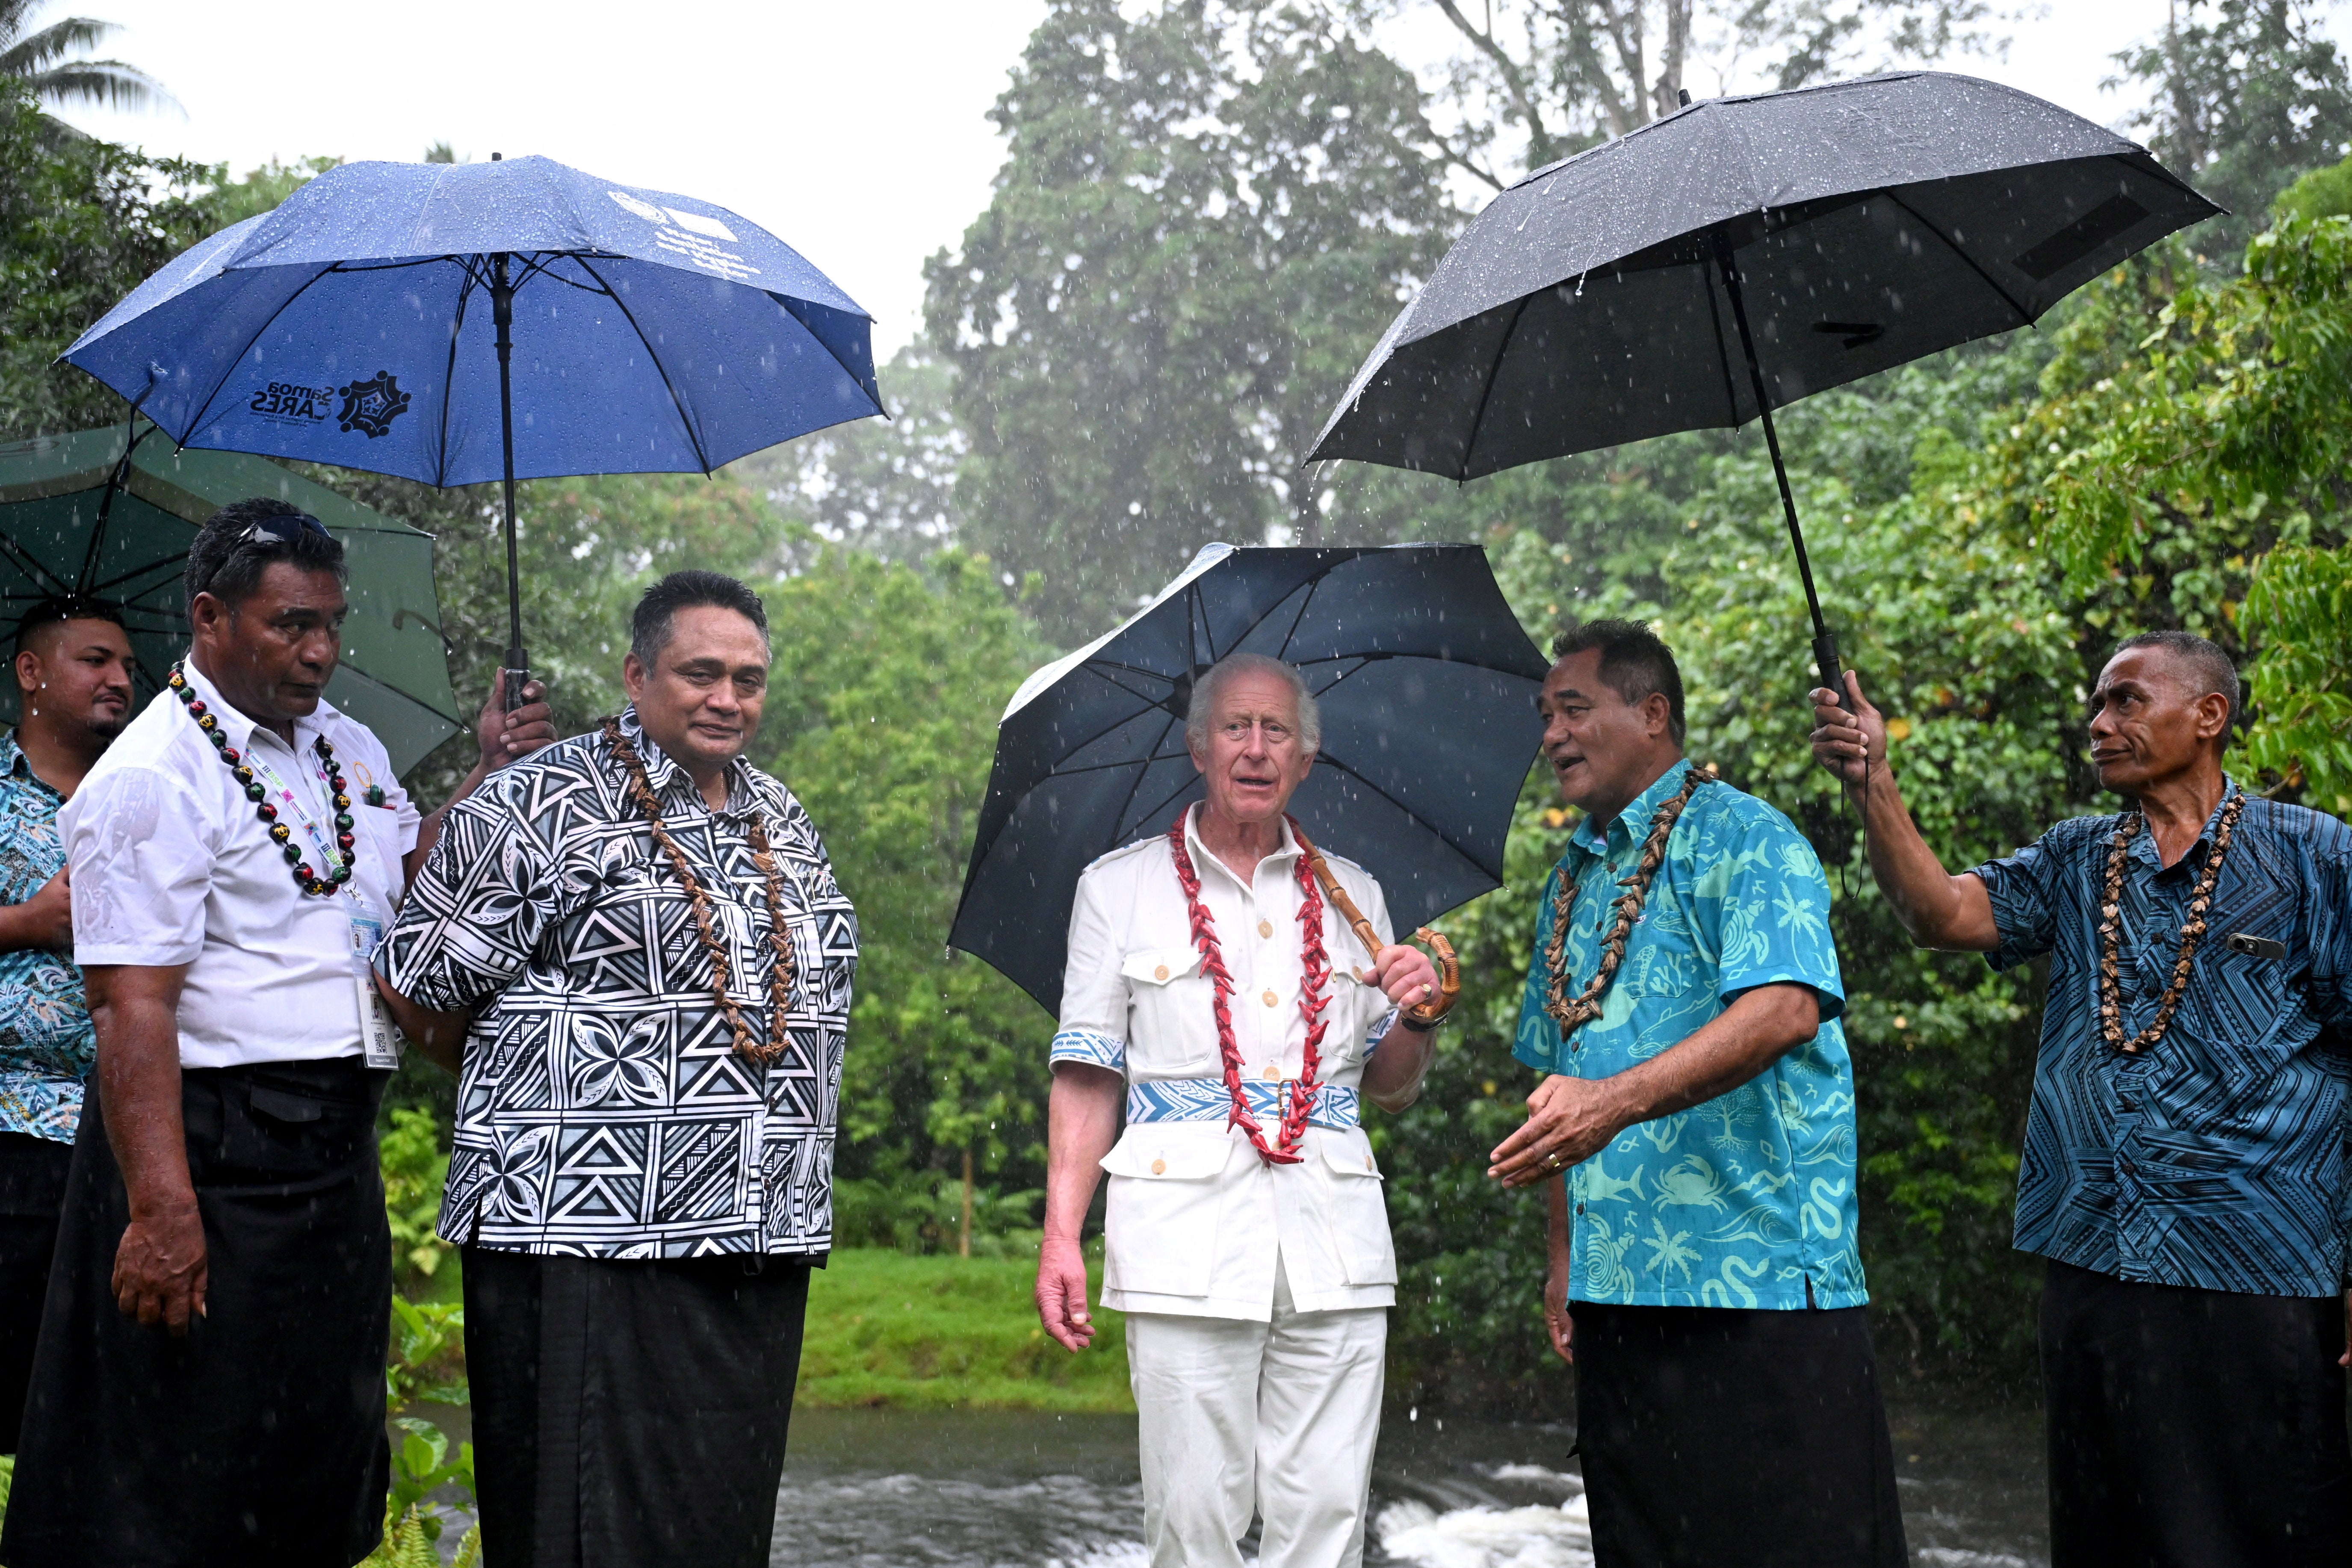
[1214, 990]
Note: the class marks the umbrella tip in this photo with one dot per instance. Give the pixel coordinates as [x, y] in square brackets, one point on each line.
[1682, 95]
[501, 157]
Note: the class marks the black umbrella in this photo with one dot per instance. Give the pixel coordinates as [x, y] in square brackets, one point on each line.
[1740, 254]
[1427, 688]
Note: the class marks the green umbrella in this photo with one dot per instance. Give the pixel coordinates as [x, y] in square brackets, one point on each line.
[61, 533]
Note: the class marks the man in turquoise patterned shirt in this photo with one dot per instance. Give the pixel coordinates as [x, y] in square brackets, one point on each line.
[73, 667]
[1694, 1137]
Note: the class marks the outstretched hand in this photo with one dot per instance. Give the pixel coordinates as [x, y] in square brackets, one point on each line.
[1850, 745]
[509, 737]
[1570, 1119]
[1061, 1294]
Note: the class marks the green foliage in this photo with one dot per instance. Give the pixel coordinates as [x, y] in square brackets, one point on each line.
[883, 720]
[82, 222]
[2201, 483]
[2243, 96]
[49, 65]
[2322, 193]
[413, 1517]
[415, 1164]
[884, 1328]
[263, 188]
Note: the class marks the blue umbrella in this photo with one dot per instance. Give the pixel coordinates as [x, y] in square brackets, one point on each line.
[457, 323]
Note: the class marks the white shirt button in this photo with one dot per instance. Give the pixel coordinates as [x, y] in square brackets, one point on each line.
[1272, 1000]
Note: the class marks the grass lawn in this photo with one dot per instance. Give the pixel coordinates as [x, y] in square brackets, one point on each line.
[888, 1328]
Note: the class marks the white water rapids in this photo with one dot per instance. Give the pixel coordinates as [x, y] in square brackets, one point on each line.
[945, 1490]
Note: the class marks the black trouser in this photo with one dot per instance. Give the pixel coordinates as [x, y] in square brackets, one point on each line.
[258, 1437]
[630, 1412]
[32, 1191]
[2193, 1429]
[1729, 1438]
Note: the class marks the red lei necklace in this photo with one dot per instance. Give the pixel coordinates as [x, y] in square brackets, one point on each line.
[1314, 998]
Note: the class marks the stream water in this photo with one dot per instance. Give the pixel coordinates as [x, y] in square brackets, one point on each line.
[950, 1490]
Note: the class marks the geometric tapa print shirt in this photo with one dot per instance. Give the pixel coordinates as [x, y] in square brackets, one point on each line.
[2217, 1157]
[1747, 1200]
[601, 1111]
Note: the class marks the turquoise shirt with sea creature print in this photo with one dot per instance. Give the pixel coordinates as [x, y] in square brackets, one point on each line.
[1747, 1199]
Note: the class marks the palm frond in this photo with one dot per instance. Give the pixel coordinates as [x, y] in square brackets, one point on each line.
[51, 44]
[108, 84]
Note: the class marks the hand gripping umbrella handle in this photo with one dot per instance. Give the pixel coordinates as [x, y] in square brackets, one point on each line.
[1422, 1016]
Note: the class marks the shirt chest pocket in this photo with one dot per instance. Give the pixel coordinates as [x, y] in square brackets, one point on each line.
[1172, 1018]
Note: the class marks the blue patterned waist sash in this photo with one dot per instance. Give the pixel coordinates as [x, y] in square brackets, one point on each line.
[1205, 1100]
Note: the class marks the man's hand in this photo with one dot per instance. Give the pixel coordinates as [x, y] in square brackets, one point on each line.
[1405, 975]
[1557, 1322]
[1062, 1293]
[1570, 1119]
[1850, 745]
[508, 737]
[45, 919]
[161, 1269]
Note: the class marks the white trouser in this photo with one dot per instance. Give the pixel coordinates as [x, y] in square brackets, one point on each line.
[1277, 1419]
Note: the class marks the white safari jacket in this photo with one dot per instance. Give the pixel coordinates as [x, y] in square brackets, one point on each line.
[1194, 1218]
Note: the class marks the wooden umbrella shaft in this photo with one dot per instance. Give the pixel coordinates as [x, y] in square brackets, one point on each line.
[1422, 1016]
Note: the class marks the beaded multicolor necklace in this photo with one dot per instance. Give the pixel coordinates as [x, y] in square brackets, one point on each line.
[1313, 998]
[1573, 1016]
[2192, 932]
[706, 928]
[346, 841]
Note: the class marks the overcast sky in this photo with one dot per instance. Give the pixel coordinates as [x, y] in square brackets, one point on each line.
[856, 132]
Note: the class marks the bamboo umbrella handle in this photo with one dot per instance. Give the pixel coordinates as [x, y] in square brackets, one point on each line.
[1422, 1014]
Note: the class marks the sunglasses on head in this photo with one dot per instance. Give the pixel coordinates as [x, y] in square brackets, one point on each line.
[283, 529]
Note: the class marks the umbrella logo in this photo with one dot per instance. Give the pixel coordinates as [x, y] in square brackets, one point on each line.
[372, 406]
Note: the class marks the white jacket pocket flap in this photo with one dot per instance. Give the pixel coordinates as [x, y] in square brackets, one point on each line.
[1163, 1159]
[1160, 965]
[1351, 1157]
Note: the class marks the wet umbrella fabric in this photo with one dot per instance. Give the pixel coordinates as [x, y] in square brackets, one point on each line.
[361, 323]
[1427, 688]
[54, 489]
[1741, 254]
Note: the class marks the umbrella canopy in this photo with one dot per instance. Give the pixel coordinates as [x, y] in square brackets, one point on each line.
[395, 674]
[1741, 254]
[1427, 686]
[461, 322]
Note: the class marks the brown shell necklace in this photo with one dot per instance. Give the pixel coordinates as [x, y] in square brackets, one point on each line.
[2192, 932]
[705, 924]
[1572, 1016]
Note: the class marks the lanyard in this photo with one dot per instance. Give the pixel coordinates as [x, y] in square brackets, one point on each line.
[378, 1047]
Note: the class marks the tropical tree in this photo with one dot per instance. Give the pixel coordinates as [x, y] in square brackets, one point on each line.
[1207, 213]
[51, 65]
[1545, 78]
[2243, 96]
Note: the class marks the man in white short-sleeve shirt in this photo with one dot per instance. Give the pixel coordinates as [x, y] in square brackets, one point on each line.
[208, 1386]
[1251, 1257]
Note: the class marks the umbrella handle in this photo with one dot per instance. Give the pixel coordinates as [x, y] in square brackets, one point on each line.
[1423, 1015]
[1826, 659]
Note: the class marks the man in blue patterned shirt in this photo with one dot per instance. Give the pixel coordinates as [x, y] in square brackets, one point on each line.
[73, 667]
[1703, 1275]
[2185, 1172]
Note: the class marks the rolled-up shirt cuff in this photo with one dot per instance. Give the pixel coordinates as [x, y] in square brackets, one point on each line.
[1378, 1031]
[1096, 1050]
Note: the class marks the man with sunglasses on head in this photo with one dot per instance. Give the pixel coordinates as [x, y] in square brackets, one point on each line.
[208, 1386]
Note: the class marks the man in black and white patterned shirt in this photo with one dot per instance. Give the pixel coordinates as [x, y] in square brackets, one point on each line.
[633, 952]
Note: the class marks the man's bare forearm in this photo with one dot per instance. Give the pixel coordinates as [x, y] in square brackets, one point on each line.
[1392, 1078]
[139, 1089]
[440, 1038]
[1081, 1124]
[1730, 1049]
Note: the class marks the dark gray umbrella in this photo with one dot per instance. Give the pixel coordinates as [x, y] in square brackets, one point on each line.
[1427, 687]
[1743, 253]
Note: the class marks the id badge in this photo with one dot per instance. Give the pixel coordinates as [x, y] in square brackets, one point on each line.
[379, 1045]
